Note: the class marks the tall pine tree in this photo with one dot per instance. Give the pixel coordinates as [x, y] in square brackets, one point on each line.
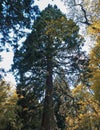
[50, 48]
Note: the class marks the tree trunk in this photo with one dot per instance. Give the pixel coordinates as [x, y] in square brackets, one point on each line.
[48, 121]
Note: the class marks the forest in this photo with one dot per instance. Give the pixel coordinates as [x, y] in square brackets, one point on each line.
[57, 77]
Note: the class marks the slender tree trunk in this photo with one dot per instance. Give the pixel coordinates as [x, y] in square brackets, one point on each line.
[48, 121]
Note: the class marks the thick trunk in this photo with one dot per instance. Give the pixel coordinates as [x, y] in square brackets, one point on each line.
[48, 121]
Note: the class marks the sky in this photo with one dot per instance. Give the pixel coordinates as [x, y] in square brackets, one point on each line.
[8, 56]
[44, 3]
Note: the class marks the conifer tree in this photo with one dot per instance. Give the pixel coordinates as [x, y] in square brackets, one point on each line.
[51, 46]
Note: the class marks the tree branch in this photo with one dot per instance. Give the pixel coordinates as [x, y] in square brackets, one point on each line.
[85, 15]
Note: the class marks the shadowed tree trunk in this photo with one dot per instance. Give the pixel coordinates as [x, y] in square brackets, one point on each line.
[48, 120]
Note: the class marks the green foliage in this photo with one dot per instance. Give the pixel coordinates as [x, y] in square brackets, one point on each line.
[16, 16]
[55, 37]
[53, 43]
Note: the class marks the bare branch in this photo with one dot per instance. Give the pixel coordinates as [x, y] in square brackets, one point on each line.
[85, 15]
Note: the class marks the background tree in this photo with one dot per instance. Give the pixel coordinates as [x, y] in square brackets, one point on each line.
[63, 100]
[51, 46]
[15, 17]
[95, 68]
[86, 113]
[8, 107]
[89, 15]
[85, 13]
[89, 10]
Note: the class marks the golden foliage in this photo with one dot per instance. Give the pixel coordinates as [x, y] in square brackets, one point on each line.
[94, 28]
[8, 100]
[94, 65]
[87, 115]
[61, 26]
